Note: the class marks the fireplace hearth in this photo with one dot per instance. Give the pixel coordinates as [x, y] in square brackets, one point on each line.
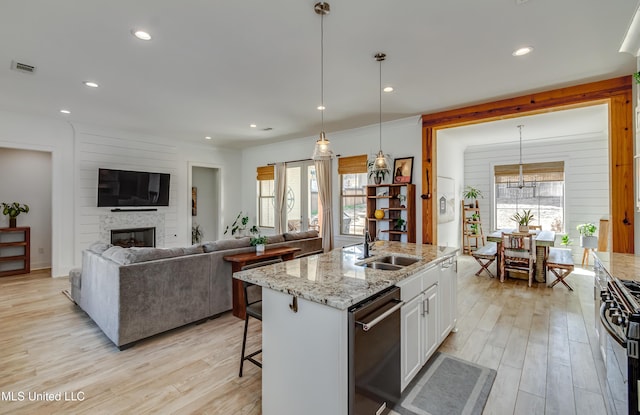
[134, 237]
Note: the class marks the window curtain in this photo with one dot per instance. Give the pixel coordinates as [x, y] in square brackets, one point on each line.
[281, 203]
[323, 171]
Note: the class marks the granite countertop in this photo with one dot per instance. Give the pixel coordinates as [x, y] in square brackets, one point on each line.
[334, 278]
[622, 266]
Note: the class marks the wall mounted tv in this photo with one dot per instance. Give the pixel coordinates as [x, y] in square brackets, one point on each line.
[132, 188]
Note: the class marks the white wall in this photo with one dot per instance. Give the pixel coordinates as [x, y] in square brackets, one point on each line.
[401, 138]
[586, 177]
[73, 201]
[20, 131]
[97, 148]
[25, 177]
[450, 163]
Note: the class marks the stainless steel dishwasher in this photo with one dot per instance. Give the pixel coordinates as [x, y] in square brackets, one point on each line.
[374, 353]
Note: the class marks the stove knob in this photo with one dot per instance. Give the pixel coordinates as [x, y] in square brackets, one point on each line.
[619, 320]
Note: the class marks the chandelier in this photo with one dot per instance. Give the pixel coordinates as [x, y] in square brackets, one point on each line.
[322, 150]
[521, 183]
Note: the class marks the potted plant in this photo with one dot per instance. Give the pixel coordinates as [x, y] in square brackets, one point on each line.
[400, 224]
[566, 241]
[587, 238]
[196, 234]
[13, 210]
[378, 175]
[259, 242]
[239, 225]
[472, 193]
[523, 219]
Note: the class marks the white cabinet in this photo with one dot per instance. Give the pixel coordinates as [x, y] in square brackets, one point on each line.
[411, 329]
[431, 310]
[419, 328]
[448, 282]
[428, 316]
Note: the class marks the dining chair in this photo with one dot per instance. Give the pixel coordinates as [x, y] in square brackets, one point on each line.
[518, 253]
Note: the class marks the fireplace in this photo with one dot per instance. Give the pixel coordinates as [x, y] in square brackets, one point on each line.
[134, 237]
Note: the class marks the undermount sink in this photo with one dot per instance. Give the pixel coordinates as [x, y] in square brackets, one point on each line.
[402, 261]
[381, 266]
[389, 262]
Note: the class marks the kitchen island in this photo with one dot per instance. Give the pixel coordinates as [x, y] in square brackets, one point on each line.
[305, 327]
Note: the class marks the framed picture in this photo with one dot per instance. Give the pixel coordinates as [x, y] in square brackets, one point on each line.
[194, 201]
[402, 170]
[446, 199]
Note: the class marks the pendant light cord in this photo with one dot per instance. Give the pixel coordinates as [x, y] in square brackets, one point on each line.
[322, 71]
[380, 91]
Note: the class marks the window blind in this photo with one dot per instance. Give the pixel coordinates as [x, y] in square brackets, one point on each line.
[541, 172]
[265, 173]
[352, 164]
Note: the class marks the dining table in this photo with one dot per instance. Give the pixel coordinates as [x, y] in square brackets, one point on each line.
[543, 240]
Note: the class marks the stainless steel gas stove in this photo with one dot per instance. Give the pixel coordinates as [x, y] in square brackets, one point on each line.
[619, 332]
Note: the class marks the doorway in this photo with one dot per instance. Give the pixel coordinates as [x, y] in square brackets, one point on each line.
[205, 203]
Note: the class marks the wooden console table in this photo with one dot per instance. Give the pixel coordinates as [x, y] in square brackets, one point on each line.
[12, 240]
[240, 260]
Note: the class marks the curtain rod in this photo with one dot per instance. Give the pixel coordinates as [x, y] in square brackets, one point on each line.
[296, 161]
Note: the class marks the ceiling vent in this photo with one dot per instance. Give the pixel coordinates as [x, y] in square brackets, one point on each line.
[22, 67]
[267, 129]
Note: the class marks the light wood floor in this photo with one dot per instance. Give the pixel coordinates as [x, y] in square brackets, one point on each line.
[540, 340]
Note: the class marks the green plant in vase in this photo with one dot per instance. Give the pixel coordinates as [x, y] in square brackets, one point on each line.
[13, 210]
[523, 219]
[259, 242]
[587, 235]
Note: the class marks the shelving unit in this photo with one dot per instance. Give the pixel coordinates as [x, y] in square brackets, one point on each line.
[15, 251]
[471, 238]
[385, 197]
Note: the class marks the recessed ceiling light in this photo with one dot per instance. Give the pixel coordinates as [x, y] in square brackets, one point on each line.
[141, 34]
[252, 125]
[388, 89]
[208, 138]
[321, 107]
[65, 111]
[91, 84]
[522, 51]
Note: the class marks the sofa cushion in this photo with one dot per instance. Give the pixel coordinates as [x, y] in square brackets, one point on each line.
[274, 239]
[300, 235]
[124, 256]
[99, 247]
[223, 244]
[193, 249]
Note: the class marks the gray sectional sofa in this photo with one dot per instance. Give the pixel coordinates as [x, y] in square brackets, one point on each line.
[134, 293]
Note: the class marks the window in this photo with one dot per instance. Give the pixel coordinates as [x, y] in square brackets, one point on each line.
[546, 200]
[353, 197]
[266, 197]
[302, 197]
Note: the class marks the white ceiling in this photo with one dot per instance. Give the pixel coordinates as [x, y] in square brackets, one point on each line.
[214, 67]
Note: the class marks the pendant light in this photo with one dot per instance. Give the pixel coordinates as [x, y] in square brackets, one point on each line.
[322, 150]
[380, 162]
[521, 183]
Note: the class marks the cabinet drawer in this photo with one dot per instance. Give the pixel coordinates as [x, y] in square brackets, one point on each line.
[430, 277]
[410, 287]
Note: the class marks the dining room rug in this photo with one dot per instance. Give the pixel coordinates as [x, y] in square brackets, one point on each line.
[447, 385]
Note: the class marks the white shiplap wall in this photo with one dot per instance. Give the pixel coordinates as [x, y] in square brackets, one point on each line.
[101, 150]
[586, 177]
